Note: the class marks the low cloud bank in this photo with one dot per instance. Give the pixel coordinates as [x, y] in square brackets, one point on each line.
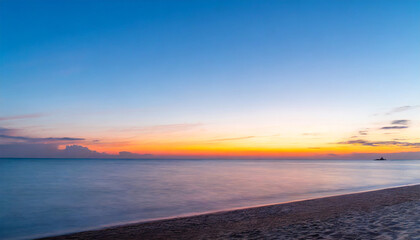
[51, 150]
[381, 143]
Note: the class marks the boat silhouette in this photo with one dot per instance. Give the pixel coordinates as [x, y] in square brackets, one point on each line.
[380, 159]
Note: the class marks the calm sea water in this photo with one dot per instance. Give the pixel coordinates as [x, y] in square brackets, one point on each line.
[41, 197]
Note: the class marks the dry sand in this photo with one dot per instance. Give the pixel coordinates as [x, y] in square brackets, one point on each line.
[383, 214]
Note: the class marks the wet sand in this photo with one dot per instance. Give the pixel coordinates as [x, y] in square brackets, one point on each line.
[392, 213]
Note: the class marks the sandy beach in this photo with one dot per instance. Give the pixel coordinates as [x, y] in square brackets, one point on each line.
[382, 214]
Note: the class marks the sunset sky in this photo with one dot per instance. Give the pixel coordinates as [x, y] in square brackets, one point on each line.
[210, 79]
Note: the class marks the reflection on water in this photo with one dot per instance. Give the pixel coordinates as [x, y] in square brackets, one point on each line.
[46, 196]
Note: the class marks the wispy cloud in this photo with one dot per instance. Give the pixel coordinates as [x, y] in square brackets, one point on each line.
[49, 139]
[7, 131]
[402, 109]
[393, 127]
[401, 122]
[380, 143]
[363, 132]
[35, 115]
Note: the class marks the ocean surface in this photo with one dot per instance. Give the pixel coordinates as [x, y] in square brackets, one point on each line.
[43, 197]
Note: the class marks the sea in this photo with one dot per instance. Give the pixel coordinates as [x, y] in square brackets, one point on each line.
[45, 197]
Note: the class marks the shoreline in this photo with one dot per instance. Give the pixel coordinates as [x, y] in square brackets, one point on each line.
[256, 220]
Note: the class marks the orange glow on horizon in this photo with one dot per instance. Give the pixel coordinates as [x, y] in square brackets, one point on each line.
[244, 151]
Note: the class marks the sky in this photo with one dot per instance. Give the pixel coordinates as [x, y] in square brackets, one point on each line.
[210, 79]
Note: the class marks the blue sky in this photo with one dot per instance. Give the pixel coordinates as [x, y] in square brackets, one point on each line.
[83, 65]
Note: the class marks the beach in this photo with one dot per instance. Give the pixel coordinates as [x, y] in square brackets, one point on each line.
[381, 214]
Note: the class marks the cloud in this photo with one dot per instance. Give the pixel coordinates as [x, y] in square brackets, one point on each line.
[49, 139]
[35, 115]
[77, 151]
[7, 131]
[29, 150]
[400, 122]
[231, 139]
[380, 143]
[403, 123]
[31, 147]
[51, 150]
[46, 150]
[393, 127]
[8, 135]
[402, 109]
[363, 132]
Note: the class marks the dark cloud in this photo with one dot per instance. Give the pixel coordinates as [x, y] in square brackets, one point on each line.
[63, 139]
[77, 151]
[7, 131]
[358, 141]
[50, 150]
[29, 150]
[46, 150]
[36, 115]
[403, 123]
[30, 147]
[402, 109]
[49, 139]
[400, 122]
[393, 127]
[380, 143]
